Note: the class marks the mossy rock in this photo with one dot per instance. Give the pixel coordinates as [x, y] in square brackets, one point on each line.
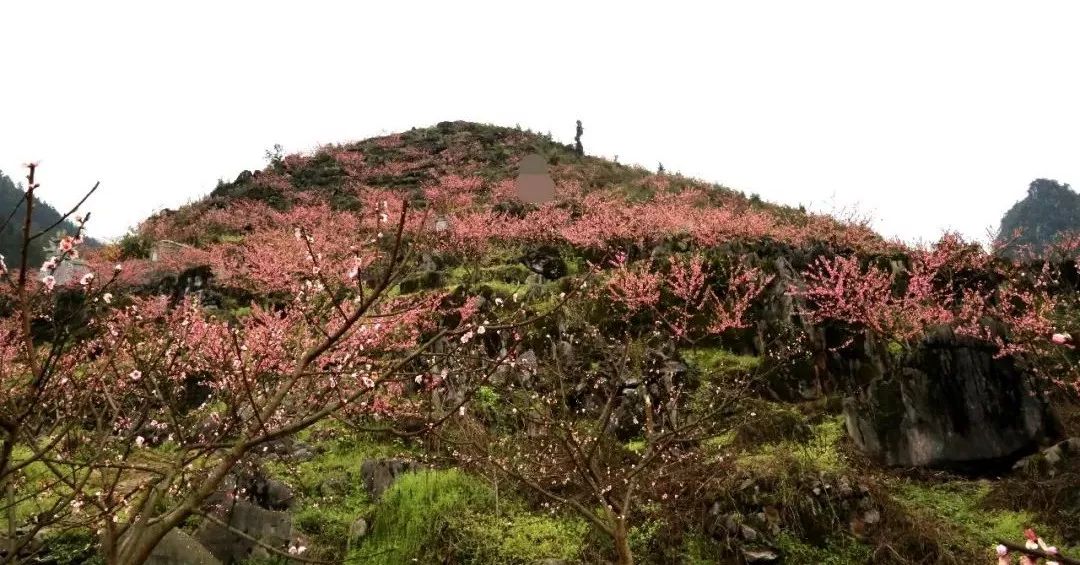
[433, 279]
[770, 422]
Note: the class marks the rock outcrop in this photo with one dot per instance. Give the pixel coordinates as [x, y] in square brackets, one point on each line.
[178, 548]
[950, 403]
[269, 527]
[379, 474]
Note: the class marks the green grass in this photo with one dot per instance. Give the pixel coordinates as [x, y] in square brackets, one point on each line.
[330, 493]
[437, 515]
[414, 513]
[30, 478]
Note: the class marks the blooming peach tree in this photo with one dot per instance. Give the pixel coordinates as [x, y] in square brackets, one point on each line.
[567, 447]
[124, 413]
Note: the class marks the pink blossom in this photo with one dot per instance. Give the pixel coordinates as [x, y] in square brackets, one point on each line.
[50, 282]
[67, 244]
[135, 374]
[1061, 338]
[87, 279]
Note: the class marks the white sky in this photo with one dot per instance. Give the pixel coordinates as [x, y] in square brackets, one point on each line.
[926, 115]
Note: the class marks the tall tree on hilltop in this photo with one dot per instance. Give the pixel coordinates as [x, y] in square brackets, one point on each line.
[577, 140]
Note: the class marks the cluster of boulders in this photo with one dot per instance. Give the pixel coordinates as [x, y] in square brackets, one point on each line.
[250, 517]
[751, 527]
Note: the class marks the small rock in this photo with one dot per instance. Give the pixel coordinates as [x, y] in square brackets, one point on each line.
[273, 494]
[731, 522]
[358, 529]
[379, 474]
[760, 555]
[872, 516]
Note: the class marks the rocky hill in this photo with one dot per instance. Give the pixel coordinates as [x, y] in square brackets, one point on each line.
[1049, 212]
[695, 376]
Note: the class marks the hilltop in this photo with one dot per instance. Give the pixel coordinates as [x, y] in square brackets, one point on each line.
[483, 159]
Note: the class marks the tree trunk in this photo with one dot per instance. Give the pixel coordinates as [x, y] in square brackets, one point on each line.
[622, 544]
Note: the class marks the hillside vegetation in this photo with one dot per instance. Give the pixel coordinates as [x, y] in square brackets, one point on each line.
[376, 353]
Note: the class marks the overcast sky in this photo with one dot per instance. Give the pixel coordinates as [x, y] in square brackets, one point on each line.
[925, 115]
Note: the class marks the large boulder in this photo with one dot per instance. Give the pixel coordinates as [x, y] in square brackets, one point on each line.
[178, 548]
[950, 403]
[379, 474]
[270, 527]
[1051, 460]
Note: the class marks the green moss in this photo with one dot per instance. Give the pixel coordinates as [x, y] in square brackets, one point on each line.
[771, 422]
[516, 536]
[504, 289]
[230, 238]
[963, 505]
[839, 550]
[821, 452]
[719, 361]
[721, 441]
[697, 550]
[646, 538]
[512, 273]
[29, 502]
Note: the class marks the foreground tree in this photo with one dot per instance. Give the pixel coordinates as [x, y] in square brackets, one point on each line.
[605, 437]
[124, 413]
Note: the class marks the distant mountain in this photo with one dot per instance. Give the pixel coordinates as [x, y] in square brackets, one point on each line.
[1049, 210]
[43, 216]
